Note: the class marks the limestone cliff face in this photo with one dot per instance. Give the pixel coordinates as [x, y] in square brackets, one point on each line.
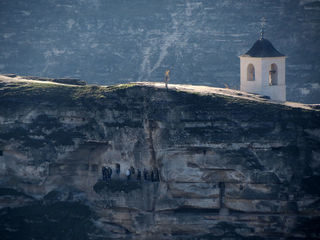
[229, 167]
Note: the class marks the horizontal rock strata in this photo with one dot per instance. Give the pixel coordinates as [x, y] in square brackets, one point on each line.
[228, 167]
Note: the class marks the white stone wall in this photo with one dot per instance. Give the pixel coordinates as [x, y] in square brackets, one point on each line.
[250, 86]
[261, 83]
[276, 92]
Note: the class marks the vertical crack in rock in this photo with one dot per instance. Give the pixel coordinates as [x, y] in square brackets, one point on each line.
[148, 128]
[153, 162]
[221, 194]
[256, 161]
[149, 125]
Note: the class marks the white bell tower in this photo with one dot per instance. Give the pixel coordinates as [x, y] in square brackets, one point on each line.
[263, 70]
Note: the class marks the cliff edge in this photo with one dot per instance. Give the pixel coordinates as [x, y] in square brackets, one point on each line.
[214, 163]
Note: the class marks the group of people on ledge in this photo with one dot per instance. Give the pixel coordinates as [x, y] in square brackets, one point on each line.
[132, 174]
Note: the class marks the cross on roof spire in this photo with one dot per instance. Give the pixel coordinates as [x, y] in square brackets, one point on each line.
[262, 23]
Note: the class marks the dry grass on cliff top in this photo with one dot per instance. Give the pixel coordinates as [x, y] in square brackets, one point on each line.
[20, 87]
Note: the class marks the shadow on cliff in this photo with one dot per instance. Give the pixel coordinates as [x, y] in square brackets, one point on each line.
[116, 186]
[60, 220]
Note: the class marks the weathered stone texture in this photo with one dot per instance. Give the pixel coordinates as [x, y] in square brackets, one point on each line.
[230, 168]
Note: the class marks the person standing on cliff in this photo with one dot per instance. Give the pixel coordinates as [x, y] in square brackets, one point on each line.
[109, 172]
[104, 173]
[145, 174]
[118, 169]
[139, 175]
[128, 174]
[132, 170]
[167, 78]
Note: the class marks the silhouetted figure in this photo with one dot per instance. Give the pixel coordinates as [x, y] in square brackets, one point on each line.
[167, 78]
[139, 175]
[132, 170]
[104, 173]
[109, 172]
[145, 174]
[128, 174]
[152, 176]
[118, 169]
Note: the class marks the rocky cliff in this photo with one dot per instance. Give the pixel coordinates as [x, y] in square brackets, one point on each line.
[231, 165]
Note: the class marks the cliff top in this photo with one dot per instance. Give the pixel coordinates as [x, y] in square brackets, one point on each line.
[10, 85]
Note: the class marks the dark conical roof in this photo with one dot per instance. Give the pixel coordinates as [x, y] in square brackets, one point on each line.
[263, 48]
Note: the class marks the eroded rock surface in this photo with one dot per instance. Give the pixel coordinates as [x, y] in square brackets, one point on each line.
[229, 167]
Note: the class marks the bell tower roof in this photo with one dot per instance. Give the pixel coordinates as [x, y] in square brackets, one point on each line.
[263, 48]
